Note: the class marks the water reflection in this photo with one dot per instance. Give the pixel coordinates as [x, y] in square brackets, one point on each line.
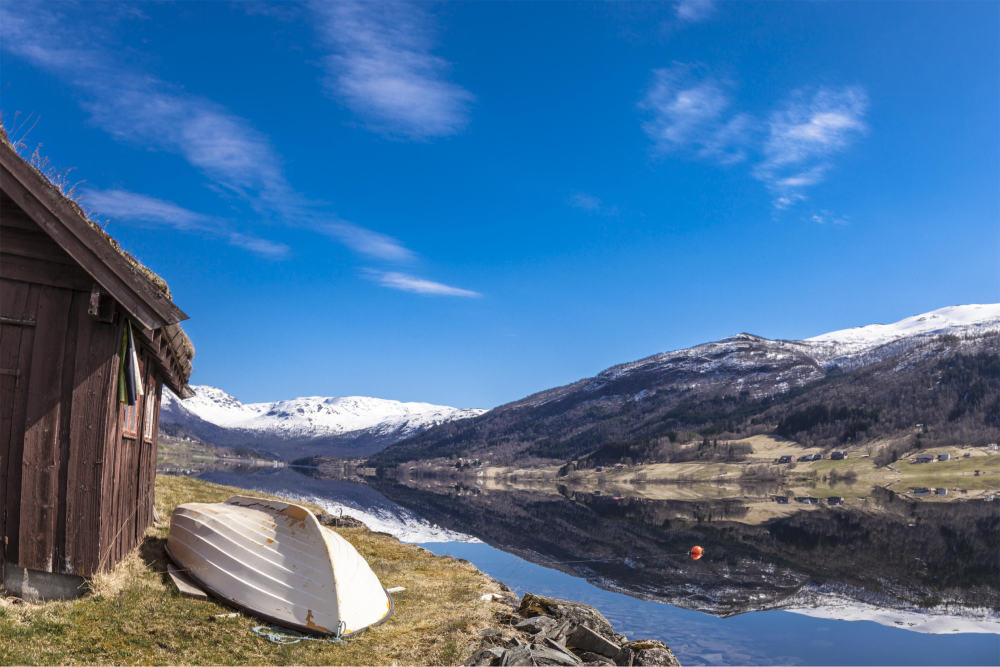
[888, 560]
[761, 553]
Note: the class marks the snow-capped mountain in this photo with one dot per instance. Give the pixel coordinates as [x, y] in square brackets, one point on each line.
[308, 426]
[720, 385]
[851, 346]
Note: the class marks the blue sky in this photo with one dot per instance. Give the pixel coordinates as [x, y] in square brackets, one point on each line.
[466, 203]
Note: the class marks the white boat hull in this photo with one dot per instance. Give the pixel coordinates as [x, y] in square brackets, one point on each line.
[277, 561]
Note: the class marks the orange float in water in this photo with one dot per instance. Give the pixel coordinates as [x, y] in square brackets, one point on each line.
[696, 552]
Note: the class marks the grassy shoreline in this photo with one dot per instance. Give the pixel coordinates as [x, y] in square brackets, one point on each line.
[133, 615]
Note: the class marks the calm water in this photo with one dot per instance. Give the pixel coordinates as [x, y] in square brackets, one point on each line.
[624, 556]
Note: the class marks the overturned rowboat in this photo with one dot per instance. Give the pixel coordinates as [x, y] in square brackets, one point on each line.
[278, 562]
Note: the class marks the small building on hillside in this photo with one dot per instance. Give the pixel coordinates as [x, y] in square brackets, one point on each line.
[925, 458]
[944, 456]
[77, 465]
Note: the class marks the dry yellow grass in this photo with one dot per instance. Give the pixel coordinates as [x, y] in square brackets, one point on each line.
[134, 616]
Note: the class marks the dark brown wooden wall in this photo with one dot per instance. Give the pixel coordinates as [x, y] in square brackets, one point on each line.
[76, 495]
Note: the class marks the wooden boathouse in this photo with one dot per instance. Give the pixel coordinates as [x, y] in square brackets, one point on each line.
[77, 466]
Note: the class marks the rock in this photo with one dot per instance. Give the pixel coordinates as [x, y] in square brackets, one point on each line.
[595, 659]
[655, 656]
[577, 612]
[340, 521]
[541, 655]
[558, 633]
[491, 633]
[561, 649]
[517, 656]
[585, 639]
[621, 639]
[487, 656]
[640, 644]
[536, 624]
[624, 658]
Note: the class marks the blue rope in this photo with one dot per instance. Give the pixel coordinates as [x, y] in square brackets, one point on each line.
[285, 636]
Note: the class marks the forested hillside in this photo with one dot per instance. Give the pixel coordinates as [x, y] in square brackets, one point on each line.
[928, 391]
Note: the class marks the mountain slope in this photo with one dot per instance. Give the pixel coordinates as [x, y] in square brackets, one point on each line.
[823, 390]
[309, 426]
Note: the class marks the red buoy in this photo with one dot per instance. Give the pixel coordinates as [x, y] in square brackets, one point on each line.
[696, 552]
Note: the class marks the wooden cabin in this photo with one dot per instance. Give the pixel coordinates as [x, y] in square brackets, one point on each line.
[77, 466]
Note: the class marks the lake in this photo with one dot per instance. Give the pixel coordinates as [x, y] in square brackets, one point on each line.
[887, 582]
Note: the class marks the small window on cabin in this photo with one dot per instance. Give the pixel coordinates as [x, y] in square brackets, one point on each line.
[129, 418]
[147, 424]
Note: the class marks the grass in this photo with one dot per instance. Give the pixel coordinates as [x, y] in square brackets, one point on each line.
[133, 615]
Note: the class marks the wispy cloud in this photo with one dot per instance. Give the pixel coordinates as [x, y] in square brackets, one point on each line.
[804, 136]
[695, 10]
[408, 283]
[135, 207]
[824, 217]
[367, 242]
[690, 112]
[591, 204]
[145, 111]
[382, 68]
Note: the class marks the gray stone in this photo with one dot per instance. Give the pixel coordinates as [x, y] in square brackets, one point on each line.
[577, 612]
[491, 633]
[486, 656]
[585, 639]
[546, 656]
[536, 624]
[624, 658]
[517, 656]
[548, 643]
[38, 586]
[655, 656]
[596, 659]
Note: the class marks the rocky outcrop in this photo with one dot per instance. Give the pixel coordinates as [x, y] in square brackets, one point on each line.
[550, 631]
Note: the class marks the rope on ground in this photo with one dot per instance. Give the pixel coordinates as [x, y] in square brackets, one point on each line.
[284, 636]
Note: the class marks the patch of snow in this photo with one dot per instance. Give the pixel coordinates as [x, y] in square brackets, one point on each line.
[937, 321]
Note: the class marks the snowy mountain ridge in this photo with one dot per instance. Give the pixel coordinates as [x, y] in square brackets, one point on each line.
[222, 419]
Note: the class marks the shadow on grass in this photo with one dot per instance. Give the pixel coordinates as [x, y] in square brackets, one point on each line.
[153, 552]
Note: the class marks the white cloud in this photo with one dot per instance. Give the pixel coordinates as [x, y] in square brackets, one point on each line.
[135, 207]
[804, 136]
[148, 112]
[367, 242]
[408, 283]
[824, 217]
[383, 70]
[692, 113]
[695, 10]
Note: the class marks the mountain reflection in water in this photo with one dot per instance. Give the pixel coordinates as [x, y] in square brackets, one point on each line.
[826, 564]
[889, 552]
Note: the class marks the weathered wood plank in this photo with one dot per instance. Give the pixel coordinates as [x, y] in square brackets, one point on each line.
[185, 586]
[95, 379]
[40, 469]
[77, 311]
[42, 272]
[13, 217]
[35, 244]
[16, 450]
